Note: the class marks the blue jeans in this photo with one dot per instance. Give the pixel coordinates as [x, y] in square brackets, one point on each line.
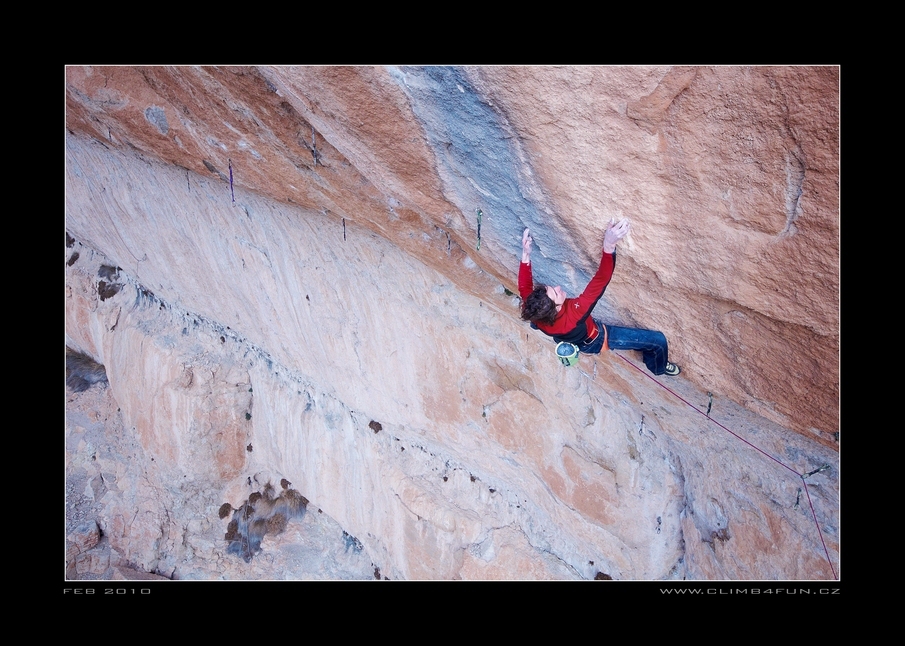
[652, 344]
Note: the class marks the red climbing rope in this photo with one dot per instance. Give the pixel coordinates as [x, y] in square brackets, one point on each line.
[802, 476]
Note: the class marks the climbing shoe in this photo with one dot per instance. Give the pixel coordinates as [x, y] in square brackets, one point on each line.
[672, 369]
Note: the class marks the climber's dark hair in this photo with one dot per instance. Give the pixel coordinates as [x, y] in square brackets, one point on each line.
[538, 307]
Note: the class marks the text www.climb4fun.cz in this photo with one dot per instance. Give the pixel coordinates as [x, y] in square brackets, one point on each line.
[750, 591]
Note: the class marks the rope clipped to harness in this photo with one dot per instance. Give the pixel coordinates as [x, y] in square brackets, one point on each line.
[567, 353]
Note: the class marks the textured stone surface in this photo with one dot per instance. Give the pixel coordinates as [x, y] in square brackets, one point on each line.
[730, 175]
[343, 287]
[138, 508]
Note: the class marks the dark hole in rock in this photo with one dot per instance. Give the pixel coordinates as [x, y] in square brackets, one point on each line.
[108, 272]
[263, 513]
[107, 290]
[82, 371]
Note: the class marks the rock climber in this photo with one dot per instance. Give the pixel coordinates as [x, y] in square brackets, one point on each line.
[569, 319]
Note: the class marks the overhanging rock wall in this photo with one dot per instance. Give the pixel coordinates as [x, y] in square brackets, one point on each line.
[347, 276]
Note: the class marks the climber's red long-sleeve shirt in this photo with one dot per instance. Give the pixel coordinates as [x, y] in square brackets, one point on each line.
[573, 322]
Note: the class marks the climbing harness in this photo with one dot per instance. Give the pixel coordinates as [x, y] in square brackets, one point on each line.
[593, 337]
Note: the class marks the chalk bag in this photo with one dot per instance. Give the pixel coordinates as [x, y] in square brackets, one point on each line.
[567, 353]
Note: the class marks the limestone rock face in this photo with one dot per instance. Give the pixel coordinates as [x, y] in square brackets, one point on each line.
[283, 273]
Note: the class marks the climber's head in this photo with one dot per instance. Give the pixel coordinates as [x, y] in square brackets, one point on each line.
[556, 295]
[542, 303]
